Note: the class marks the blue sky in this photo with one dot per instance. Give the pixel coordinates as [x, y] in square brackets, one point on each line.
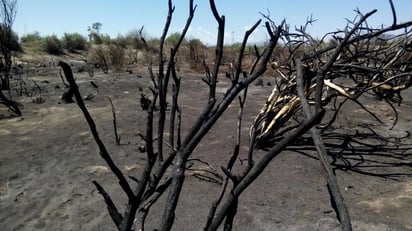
[121, 16]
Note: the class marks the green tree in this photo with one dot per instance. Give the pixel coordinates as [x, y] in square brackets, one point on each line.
[97, 26]
[94, 33]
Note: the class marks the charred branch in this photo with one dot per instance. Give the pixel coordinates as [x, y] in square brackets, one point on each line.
[102, 148]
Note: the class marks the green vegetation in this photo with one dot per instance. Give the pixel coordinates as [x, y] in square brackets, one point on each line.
[95, 36]
[74, 41]
[136, 38]
[99, 38]
[122, 41]
[114, 53]
[100, 45]
[52, 45]
[31, 38]
[173, 39]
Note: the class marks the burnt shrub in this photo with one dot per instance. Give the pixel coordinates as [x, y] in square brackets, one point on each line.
[117, 56]
[99, 56]
[108, 57]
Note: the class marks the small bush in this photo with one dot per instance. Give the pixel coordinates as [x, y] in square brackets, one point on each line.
[105, 39]
[31, 38]
[122, 41]
[99, 56]
[135, 38]
[195, 54]
[117, 56]
[74, 41]
[112, 56]
[99, 39]
[173, 38]
[196, 48]
[52, 45]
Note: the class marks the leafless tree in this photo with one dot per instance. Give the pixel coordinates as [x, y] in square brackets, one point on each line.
[306, 77]
[359, 61]
[8, 12]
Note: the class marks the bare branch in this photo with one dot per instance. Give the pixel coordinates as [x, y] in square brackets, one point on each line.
[393, 12]
[103, 151]
[342, 210]
[219, 50]
[261, 165]
[114, 213]
[242, 50]
[116, 136]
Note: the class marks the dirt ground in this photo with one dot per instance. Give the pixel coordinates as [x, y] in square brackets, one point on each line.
[48, 161]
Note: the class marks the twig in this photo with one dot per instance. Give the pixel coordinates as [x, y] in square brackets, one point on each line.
[261, 165]
[393, 13]
[116, 136]
[114, 213]
[62, 78]
[148, 202]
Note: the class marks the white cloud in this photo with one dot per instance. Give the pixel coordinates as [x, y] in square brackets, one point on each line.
[259, 36]
[206, 36]
[209, 38]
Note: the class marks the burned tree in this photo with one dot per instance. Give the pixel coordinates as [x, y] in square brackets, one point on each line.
[7, 40]
[359, 61]
[8, 43]
[307, 82]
